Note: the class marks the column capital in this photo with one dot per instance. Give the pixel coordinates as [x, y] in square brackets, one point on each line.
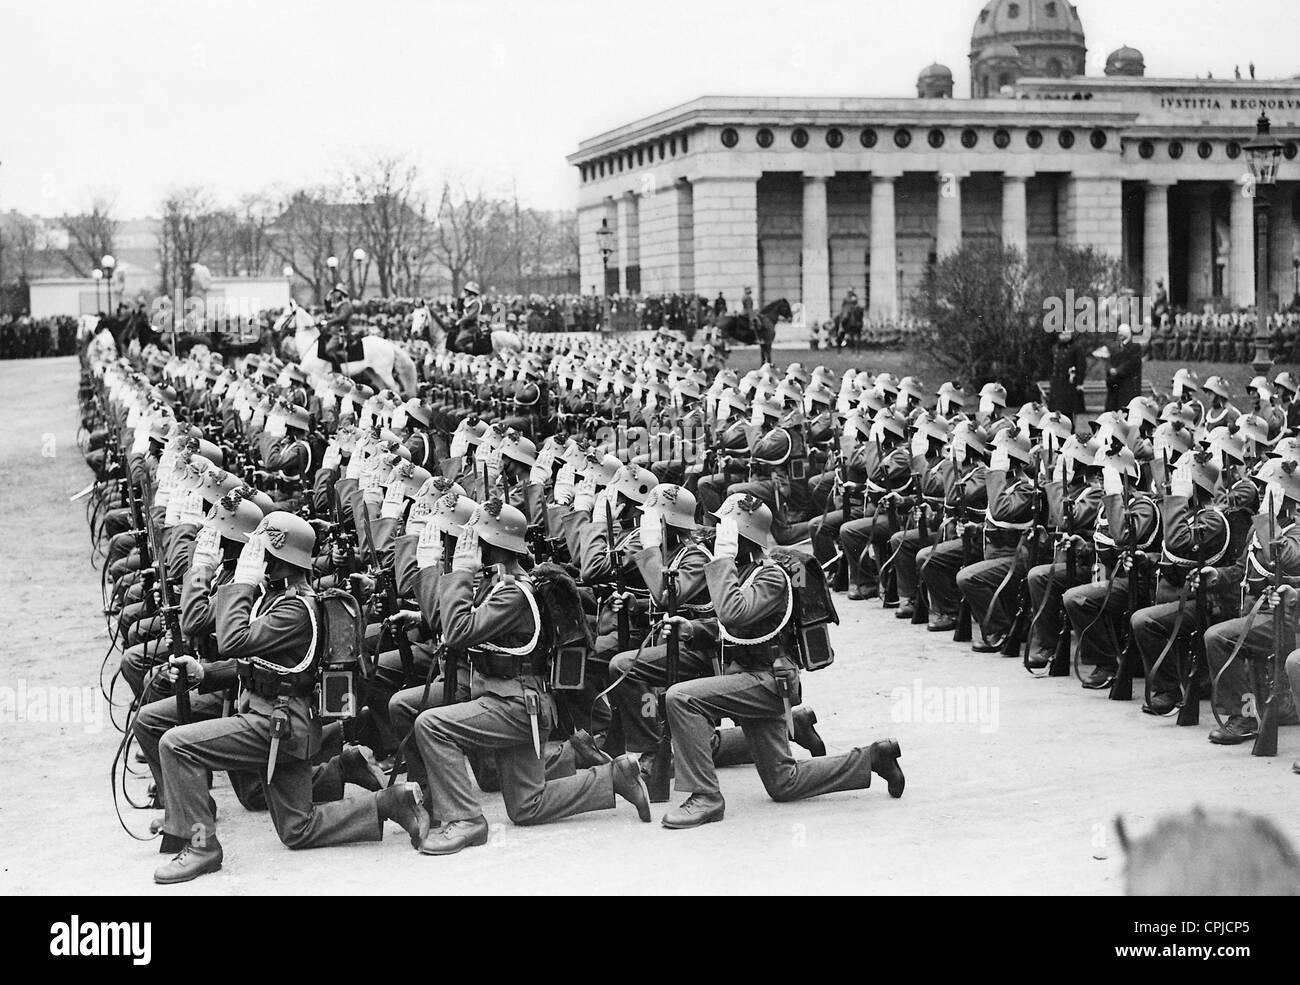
[1016, 176]
[1160, 182]
[817, 176]
[884, 177]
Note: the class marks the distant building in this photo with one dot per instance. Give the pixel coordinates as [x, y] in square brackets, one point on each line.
[805, 198]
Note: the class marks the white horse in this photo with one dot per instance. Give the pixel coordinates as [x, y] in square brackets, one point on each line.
[384, 358]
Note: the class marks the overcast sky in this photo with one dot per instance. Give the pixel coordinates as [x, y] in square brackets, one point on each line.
[133, 97]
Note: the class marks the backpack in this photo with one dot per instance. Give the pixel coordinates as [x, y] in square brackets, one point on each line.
[814, 609]
[341, 656]
[566, 634]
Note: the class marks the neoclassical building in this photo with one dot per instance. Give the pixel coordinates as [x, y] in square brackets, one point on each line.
[805, 198]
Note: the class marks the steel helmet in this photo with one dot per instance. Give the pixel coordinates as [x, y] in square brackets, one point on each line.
[674, 503]
[519, 448]
[1174, 435]
[451, 511]
[1204, 472]
[795, 371]
[753, 518]
[950, 395]
[234, 517]
[995, 392]
[603, 467]
[891, 421]
[1185, 379]
[289, 538]
[259, 499]
[1016, 443]
[633, 482]
[874, 399]
[472, 430]
[1288, 447]
[1228, 444]
[418, 412]
[1285, 381]
[731, 402]
[472, 287]
[1114, 453]
[410, 477]
[818, 393]
[1254, 428]
[887, 382]
[1218, 386]
[912, 387]
[500, 525]
[934, 427]
[1082, 451]
[216, 482]
[1030, 414]
[1143, 410]
[767, 407]
[967, 438]
[789, 392]
[1054, 422]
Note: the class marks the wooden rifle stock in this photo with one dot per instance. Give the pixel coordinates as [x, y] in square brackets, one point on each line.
[620, 586]
[962, 634]
[659, 782]
[1121, 688]
[1060, 662]
[921, 605]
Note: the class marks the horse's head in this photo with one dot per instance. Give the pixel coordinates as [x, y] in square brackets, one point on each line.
[778, 310]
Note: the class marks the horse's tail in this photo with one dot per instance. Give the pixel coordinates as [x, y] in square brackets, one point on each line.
[404, 374]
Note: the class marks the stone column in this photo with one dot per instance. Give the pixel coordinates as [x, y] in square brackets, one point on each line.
[1015, 213]
[1241, 248]
[884, 251]
[1200, 250]
[629, 238]
[725, 236]
[1281, 243]
[948, 234]
[816, 288]
[590, 269]
[1155, 238]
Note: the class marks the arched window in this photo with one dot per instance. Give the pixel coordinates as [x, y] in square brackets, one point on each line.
[1054, 68]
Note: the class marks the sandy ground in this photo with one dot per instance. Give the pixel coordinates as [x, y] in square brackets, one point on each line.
[1016, 796]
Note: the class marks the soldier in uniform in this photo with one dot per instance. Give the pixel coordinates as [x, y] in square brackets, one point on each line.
[267, 637]
[488, 608]
[754, 601]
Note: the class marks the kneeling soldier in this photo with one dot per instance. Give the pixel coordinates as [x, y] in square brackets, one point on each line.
[754, 601]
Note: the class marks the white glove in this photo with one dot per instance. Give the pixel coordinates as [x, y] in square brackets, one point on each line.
[459, 445]
[275, 426]
[1180, 485]
[1112, 484]
[727, 543]
[920, 443]
[251, 568]
[192, 512]
[564, 487]
[999, 460]
[652, 532]
[207, 547]
[333, 457]
[986, 405]
[1058, 470]
[467, 557]
[584, 497]
[428, 552]
[394, 500]
[355, 464]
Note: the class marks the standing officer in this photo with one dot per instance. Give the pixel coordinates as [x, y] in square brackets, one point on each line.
[754, 601]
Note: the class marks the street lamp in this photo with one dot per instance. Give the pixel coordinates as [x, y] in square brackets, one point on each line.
[1263, 153]
[108, 263]
[1295, 297]
[605, 237]
[358, 260]
[98, 275]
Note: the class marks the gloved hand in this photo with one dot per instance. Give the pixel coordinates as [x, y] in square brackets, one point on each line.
[207, 547]
[727, 542]
[251, 568]
[584, 496]
[999, 460]
[565, 489]
[333, 456]
[394, 502]
[652, 532]
[1112, 484]
[468, 556]
[428, 551]
[1180, 484]
[192, 511]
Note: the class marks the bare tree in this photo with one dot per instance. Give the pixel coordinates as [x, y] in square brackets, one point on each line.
[313, 225]
[390, 208]
[90, 236]
[191, 229]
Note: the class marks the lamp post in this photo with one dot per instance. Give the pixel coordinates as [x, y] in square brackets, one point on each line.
[358, 261]
[1295, 296]
[333, 263]
[108, 263]
[98, 275]
[605, 237]
[1263, 153]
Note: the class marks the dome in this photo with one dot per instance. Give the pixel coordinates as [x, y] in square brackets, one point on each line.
[1044, 39]
[1125, 61]
[1000, 52]
[1045, 18]
[934, 72]
[934, 82]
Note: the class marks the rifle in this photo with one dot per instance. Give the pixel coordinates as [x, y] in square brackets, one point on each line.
[390, 606]
[1024, 605]
[1060, 662]
[170, 611]
[1121, 688]
[450, 657]
[921, 607]
[962, 634]
[620, 586]
[1266, 737]
[658, 783]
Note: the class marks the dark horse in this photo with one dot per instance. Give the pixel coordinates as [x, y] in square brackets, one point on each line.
[741, 330]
